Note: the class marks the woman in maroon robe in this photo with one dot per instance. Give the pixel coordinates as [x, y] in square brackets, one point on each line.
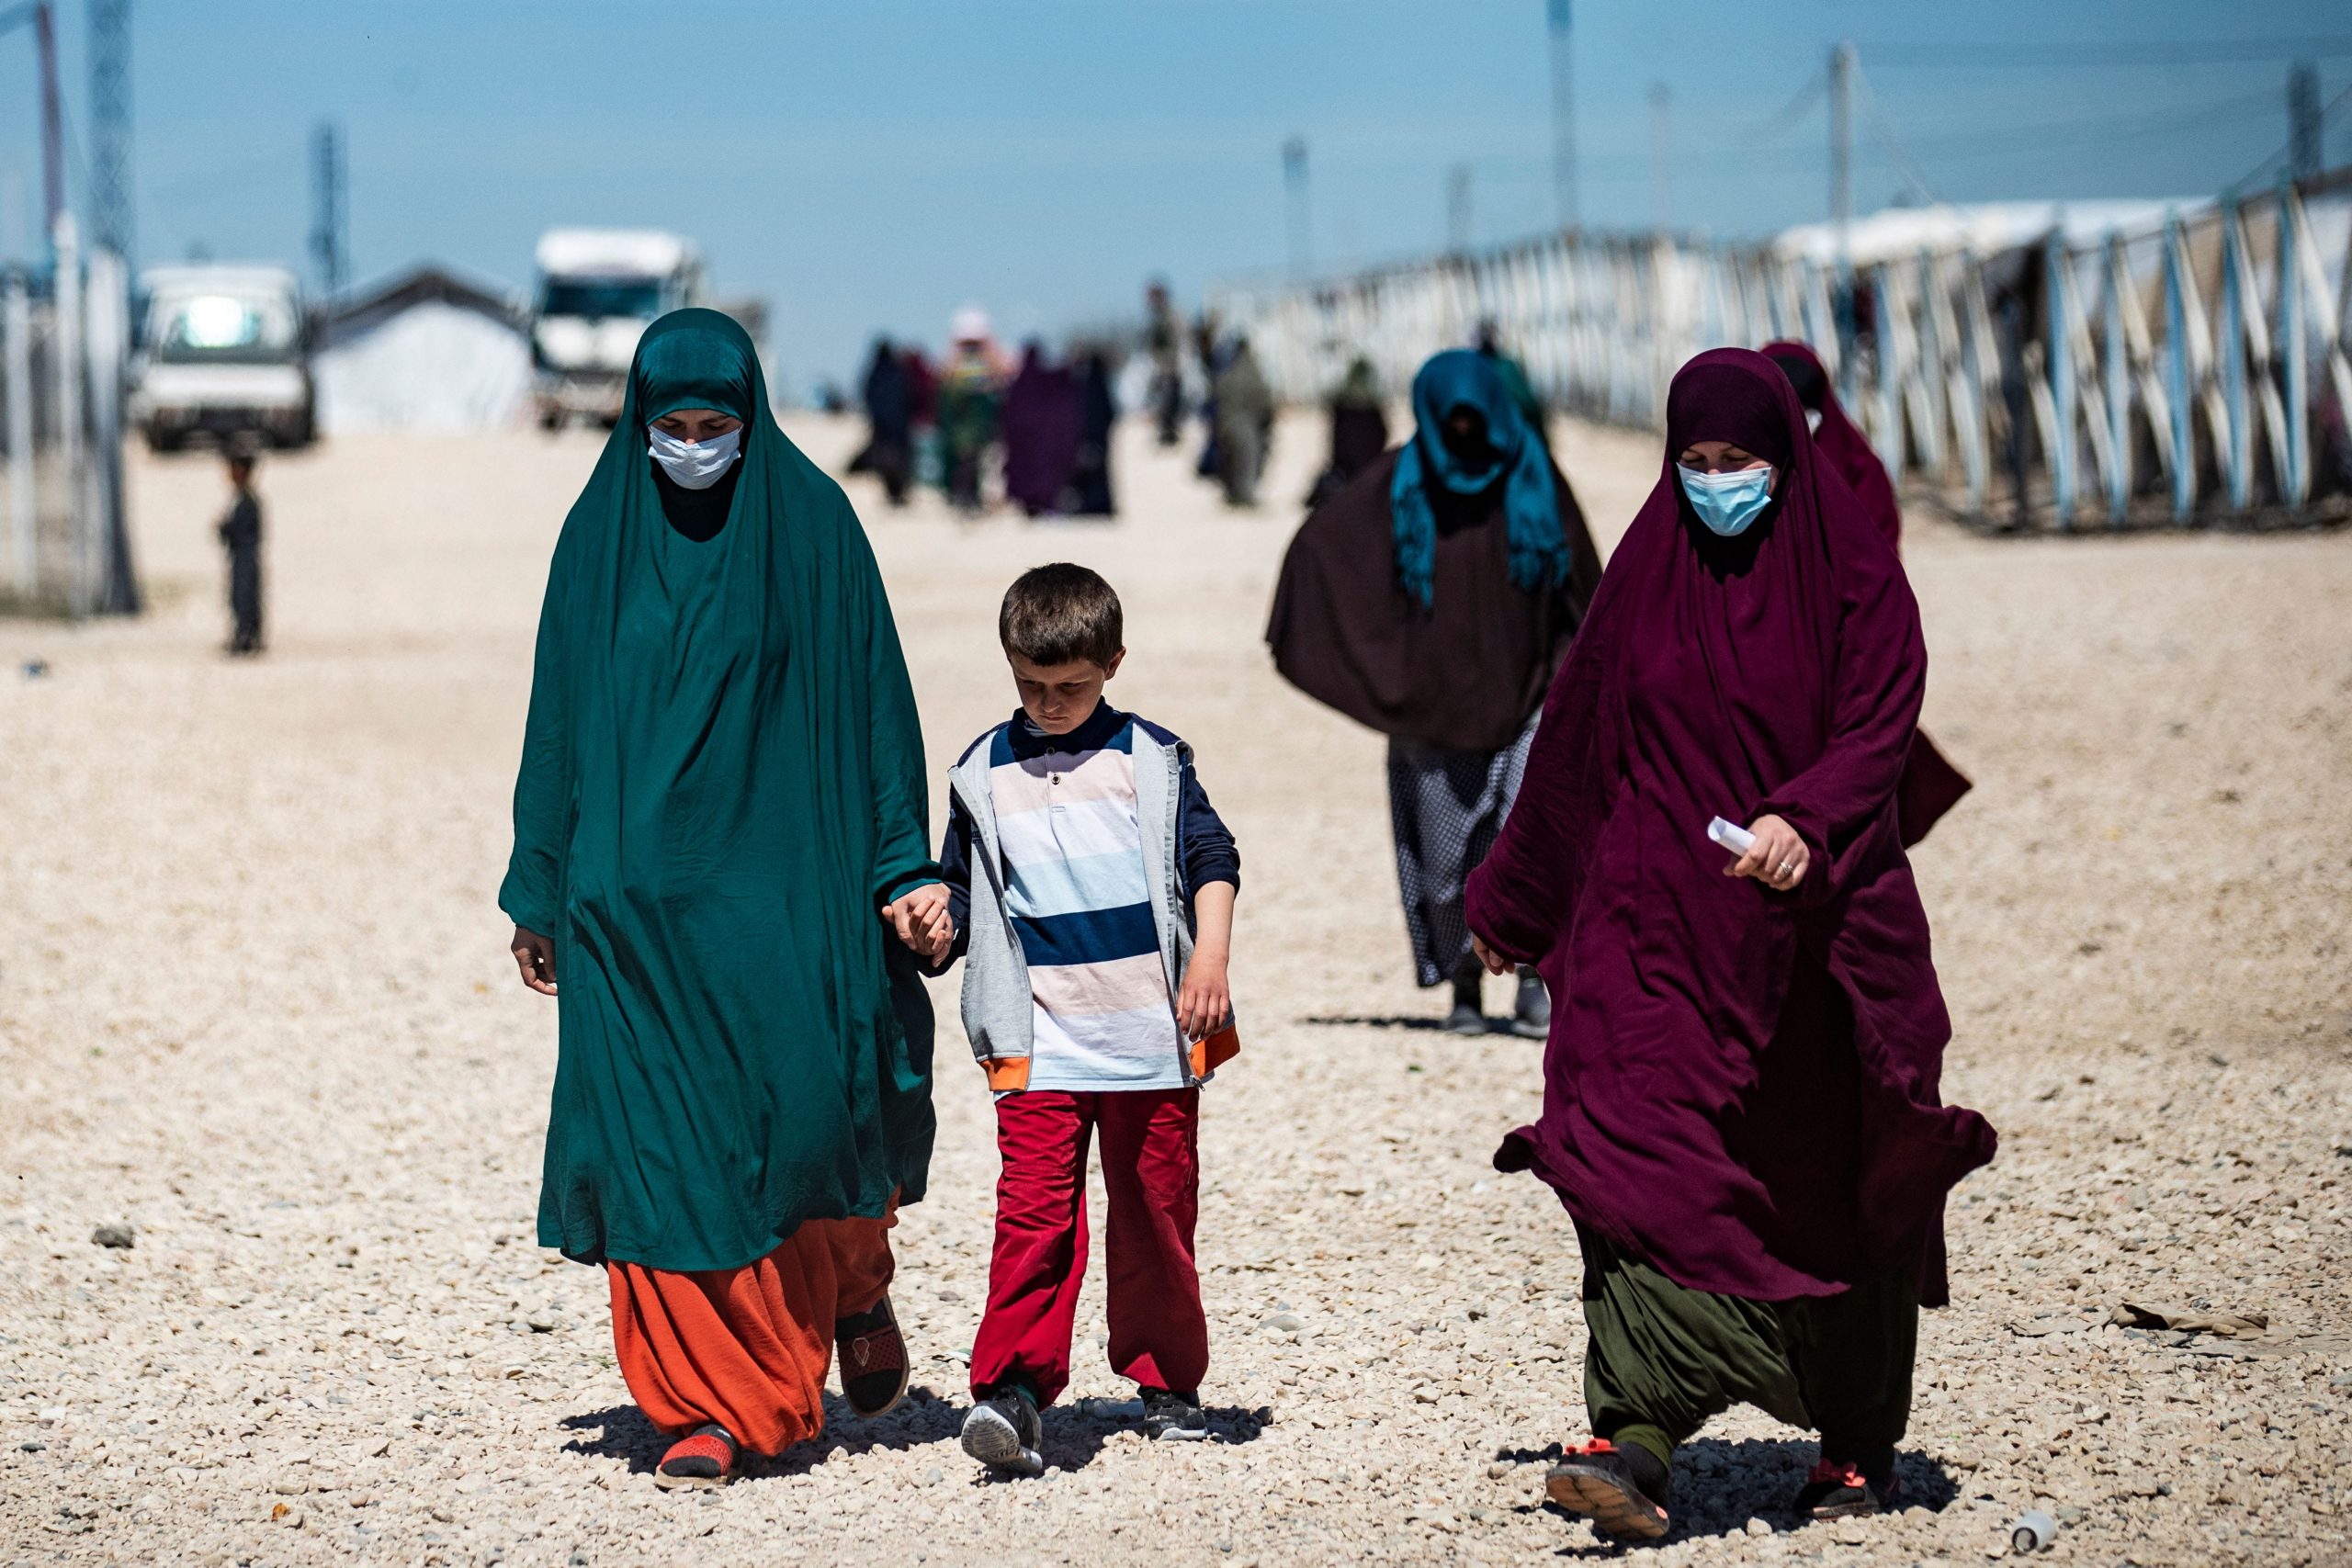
[1741, 1108]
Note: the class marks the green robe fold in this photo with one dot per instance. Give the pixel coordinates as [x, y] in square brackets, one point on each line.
[722, 777]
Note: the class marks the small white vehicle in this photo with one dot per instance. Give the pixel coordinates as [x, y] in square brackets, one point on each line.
[225, 353]
[598, 291]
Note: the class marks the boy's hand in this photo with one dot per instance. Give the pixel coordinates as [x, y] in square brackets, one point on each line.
[921, 920]
[1205, 1001]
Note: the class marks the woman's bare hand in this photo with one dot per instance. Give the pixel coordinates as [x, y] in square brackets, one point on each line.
[921, 920]
[1778, 858]
[535, 956]
[1495, 962]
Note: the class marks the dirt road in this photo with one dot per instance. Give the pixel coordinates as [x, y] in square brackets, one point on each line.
[255, 1002]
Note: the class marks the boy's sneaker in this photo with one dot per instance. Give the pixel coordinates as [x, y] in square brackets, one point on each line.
[1466, 1017]
[1841, 1489]
[1004, 1432]
[1623, 1491]
[1170, 1416]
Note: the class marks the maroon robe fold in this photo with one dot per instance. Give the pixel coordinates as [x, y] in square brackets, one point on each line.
[1741, 1086]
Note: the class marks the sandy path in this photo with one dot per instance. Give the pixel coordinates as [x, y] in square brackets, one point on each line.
[254, 1000]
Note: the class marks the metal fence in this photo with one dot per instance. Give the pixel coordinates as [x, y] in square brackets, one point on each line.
[64, 344]
[2191, 370]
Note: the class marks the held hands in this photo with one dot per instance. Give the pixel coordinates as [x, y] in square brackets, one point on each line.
[1778, 858]
[921, 920]
[535, 956]
[1205, 1000]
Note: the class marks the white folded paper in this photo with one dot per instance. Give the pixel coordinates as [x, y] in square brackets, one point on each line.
[1731, 836]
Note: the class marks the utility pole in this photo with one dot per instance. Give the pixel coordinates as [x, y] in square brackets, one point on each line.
[111, 207]
[1302, 260]
[52, 134]
[330, 240]
[2302, 121]
[1457, 209]
[1841, 208]
[1661, 181]
[1841, 147]
[1564, 116]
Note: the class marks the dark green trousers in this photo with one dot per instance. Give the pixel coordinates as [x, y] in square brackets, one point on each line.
[1664, 1359]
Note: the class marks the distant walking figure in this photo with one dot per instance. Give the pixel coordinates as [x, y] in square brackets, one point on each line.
[239, 532]
[1244, 425]
[889, 397]
[722, 782]
[1740, 1094]
[1359, 431]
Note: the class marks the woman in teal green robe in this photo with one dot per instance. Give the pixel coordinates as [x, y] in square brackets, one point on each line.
[722, 782]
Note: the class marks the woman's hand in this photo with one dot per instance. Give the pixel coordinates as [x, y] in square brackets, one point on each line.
[535, 956]
[1778, 858]
[921, 920]
[1495, 962]
[1205, 1000]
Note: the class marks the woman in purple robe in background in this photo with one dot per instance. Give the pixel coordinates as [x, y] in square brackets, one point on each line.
[1741, 1109]
[1043, 421]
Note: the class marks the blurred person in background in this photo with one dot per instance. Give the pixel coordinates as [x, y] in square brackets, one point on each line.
[890, 395]
[721, 782]
[1245, 424]
[1041, 424]
[240, 533]
[1098, 421]
[1163, 339]
[1514, 375]
[1931, 786]
[968, 395]
[1359, 431]
[1741, 1109]
[1430, 600]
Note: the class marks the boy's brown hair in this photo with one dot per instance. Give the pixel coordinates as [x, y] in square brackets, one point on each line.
[1060, 614]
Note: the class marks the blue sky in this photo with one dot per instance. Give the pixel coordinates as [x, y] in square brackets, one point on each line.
[872, 163]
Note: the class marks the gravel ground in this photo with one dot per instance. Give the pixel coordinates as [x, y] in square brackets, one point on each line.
[254, 1004]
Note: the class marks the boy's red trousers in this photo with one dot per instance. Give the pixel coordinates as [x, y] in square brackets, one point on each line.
[1151, 1171]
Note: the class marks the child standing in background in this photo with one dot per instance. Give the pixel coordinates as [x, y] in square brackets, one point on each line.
[1090, 886]
[240, 533]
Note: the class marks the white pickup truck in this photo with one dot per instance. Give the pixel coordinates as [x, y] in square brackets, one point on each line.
[225, 352]
[598, 291]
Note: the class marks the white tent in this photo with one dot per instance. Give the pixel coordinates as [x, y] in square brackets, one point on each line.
[426, 351]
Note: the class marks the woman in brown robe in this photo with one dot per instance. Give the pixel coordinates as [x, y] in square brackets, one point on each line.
[1430, 600]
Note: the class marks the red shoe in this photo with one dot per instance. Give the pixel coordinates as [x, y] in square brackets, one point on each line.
[703, 1459]
[1598, 1481]
[1839, 1490]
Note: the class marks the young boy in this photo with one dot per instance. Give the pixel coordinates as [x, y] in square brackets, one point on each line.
[1089, 887]
[240, 533]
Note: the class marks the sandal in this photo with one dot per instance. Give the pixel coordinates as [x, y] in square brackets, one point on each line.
[1598, 1481]
[874, 1359]
[705, 1458]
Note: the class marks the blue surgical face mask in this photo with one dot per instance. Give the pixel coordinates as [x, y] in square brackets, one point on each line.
[694, 465]
[1729, 503]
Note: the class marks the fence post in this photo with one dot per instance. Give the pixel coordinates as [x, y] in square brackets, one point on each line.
[108, 344]
[2179, 367]
[2119, 385]
[16, 378]
[2056, 333]
[2297, 480]
[2237, 445]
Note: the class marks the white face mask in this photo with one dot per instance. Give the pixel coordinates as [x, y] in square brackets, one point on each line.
[1813, 421]
[694, 465]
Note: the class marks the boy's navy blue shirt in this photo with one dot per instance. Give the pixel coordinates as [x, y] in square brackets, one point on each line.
[1205, 847]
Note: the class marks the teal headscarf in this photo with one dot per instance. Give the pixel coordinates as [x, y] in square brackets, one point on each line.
[694, 359]
[722, 777]
[1461, 378]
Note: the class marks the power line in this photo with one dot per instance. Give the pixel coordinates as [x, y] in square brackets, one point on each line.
[2263, 170]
